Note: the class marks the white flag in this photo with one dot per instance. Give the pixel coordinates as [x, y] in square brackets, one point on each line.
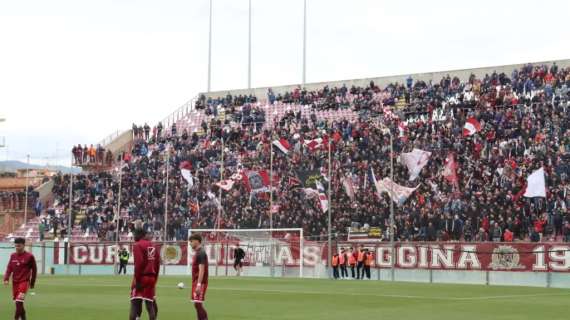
[399, 194]
[415, 161]
[322, 196]
[536, 185]
[188, 177]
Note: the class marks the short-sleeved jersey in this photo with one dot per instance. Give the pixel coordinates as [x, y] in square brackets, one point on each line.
[22, 267]
[147, 259]
[200, 257]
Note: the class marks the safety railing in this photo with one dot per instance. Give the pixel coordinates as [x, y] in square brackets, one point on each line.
[179, 113]
[108, 139]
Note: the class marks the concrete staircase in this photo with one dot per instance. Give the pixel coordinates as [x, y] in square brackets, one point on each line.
[29, 231]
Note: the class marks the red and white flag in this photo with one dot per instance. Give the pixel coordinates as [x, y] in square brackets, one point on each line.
[450, 169]
[415, 161]
[314, 144]
[322, 196]
[256, 181]
[348, 185]
[186, 165]
[185, 168]
[226, 185]
[283, 145]
[471, 127]
[536, 185]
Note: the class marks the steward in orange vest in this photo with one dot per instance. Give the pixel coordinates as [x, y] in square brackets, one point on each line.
[334, 264]
[352, 262]
[360, 265]
[342, 260]
[368, 262]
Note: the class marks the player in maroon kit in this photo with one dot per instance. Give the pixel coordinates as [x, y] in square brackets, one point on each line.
[199, 276]
[22, 267]
[147, 267]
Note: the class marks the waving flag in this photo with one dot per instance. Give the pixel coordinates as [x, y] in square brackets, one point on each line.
[373, 180]
[283, 145]
[185, 168]
[471, 127]
[314, 144]
[415, 161]
[536, 185]
[226, 185]
[322, 197]
[186, 165]
[399, 194]
[348, 186]
[450, 169]
[256, 181]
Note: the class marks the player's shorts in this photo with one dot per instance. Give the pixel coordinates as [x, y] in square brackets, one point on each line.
[238, 263]
[19, 290]
[202, 296]
[147, 290]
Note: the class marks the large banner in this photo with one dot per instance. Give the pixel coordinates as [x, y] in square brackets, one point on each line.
[524, 257]
[539, 257]
[105, 253]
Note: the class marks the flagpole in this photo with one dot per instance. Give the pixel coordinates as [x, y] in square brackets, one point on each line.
[210, 49]
[304, 42]
[217, 226]
[271, 201]
[70, 232]
[392, 204]
[330, 214]
[166, 194]
[118, 214]
[271, 183]
[221, 179]
[26, 194]
[249, 50]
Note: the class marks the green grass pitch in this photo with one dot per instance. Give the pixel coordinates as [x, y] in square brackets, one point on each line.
[107, 298]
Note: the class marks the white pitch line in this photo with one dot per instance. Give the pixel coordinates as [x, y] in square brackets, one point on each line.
[329, 293]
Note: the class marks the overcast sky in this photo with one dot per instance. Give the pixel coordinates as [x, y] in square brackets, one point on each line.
[75, 71]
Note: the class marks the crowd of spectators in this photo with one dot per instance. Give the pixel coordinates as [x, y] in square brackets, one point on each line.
[209, 104]
[53, 224]
[93, 198]
[525, 126]
[91, 156]
[16, 200]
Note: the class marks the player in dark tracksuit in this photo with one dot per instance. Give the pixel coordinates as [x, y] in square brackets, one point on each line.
[239, 255]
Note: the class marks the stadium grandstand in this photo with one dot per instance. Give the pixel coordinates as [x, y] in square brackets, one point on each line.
[428, 192]
[463, 144]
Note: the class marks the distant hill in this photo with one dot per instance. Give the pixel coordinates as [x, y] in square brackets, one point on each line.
[13, 165]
